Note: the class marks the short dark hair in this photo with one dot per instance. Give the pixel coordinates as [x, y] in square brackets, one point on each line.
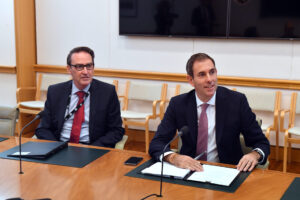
[80, 49]
[196, 57]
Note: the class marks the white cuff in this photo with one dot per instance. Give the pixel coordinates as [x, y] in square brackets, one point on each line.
[166, 153]
[262, 153]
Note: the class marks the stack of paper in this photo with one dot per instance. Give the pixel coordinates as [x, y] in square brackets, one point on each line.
[211, 174]
[169, 170]
[215, 175]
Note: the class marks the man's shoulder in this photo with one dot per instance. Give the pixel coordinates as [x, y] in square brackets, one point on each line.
[62, 85]
[100, 84]
[229, 93]
[184, 98]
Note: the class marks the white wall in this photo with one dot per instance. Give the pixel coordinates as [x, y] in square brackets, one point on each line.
[7, 53]
[64, 24]
[8, 89]
[7, 30]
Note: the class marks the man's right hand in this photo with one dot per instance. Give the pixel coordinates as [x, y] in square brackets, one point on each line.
[184, 161]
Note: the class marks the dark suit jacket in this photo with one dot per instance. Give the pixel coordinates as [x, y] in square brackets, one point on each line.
[105, 123]
[233, 116]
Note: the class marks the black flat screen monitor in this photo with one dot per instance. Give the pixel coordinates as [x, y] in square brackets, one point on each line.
[267, 19]
[179, 18]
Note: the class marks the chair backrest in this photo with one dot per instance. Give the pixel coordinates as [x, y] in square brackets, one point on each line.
[145, 91]
[297, 106]
[263, 100]
[294, 108]
[45, 80]
[184, 88]
[8, 117]
[180, 89]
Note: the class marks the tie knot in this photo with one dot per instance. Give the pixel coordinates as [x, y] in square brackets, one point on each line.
[80, 94]
[204, 107]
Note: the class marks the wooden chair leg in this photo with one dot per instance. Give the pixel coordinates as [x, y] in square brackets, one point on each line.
[125, 126]
[147, 137]
[285, 153]
[277, 144]
[289, 152]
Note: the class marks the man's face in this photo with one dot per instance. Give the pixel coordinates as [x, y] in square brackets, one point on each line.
[84, 77]
[204, 80]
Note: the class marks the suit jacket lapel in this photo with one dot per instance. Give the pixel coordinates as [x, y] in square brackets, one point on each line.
[220, 114]
[62, 105]
[191, 116]
[93, 104]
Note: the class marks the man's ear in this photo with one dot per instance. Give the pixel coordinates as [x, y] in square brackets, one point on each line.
[68, 69]
[190, 80]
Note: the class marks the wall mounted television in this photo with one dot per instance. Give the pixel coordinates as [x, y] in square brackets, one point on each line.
[265, 19]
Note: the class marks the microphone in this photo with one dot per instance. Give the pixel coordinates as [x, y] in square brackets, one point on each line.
[38, 116]
[183, 130]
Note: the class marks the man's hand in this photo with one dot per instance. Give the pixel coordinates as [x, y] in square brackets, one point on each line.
[184, 161]
[248, 161]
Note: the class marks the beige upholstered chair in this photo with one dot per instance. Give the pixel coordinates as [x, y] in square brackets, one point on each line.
[8, 117]
[29, 106]
[154, 93]
[266, 101]
[121, 143]
[292, 133]
[36, 105]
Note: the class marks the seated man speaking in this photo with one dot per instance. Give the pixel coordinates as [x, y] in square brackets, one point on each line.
[215, 117]
[82, 110]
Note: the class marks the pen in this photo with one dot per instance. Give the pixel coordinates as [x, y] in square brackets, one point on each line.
[199, 156]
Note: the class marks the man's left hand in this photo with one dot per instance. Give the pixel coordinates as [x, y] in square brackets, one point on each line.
[248, 161]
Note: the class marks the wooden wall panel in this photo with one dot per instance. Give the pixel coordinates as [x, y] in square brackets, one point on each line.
[25, 42]
[180, 77]
[8, 69]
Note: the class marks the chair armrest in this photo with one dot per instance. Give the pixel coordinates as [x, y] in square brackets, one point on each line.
[154, 105]
[122, 98]
[162, 107]
[282, 116]
[25, 93]
[121, 143]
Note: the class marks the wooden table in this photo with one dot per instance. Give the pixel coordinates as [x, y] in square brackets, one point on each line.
[104, 179]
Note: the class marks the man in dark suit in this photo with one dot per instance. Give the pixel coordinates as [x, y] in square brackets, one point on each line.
[82, 110]
[227, 114]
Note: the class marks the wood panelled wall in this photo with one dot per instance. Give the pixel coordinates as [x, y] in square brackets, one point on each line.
[25, 34]
[163, 76]
[8, 69]
[180, 77]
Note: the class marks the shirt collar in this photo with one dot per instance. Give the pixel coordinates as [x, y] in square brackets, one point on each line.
[75, 89]
[212, 101]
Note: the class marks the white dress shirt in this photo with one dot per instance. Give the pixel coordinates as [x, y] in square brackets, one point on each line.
[67, 127]
[212, 153]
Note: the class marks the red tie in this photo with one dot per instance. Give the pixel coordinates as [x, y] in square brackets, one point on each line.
[202, 133]
[78, 119]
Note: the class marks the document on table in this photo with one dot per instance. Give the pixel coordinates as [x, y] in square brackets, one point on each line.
[169, 170]
[211, 174]
[215, 175]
